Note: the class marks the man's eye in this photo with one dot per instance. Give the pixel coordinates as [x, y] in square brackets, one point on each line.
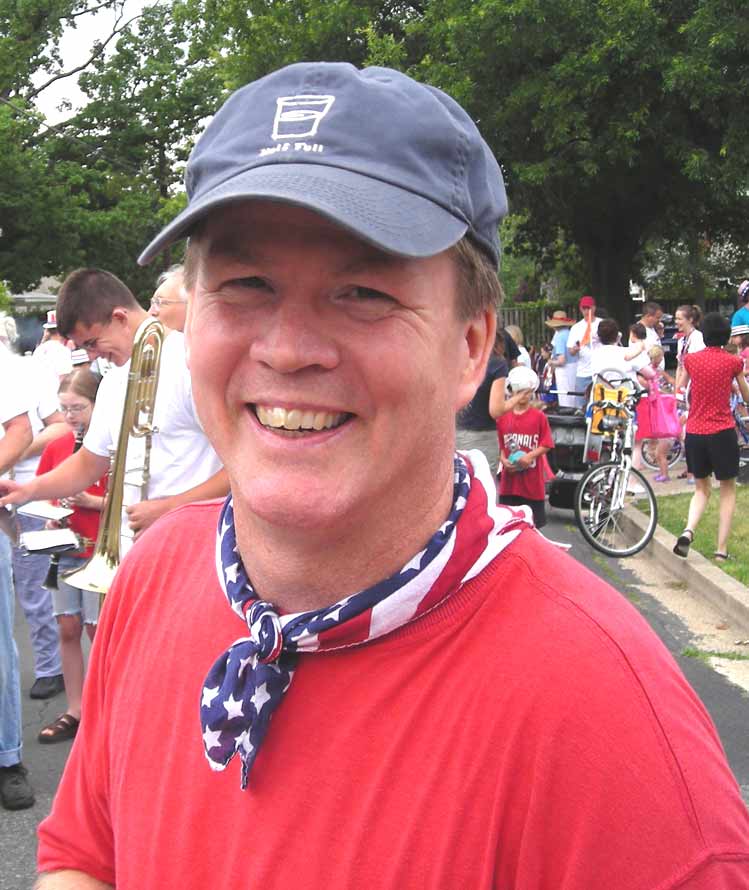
[252, 282]
[367, 293]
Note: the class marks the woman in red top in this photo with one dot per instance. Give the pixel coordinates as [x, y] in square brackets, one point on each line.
[711, 443]
[74, 608]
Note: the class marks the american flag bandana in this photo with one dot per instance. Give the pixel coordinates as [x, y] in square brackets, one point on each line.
[247, 682]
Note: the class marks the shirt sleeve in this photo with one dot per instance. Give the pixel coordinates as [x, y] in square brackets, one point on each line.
[545, 438]
[46, 461]
[98, 438]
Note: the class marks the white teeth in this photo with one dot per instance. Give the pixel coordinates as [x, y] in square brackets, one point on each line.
[280, 418]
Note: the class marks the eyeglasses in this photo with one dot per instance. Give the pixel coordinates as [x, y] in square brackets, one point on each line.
[91, 344]
[158, 302]
[72, 409]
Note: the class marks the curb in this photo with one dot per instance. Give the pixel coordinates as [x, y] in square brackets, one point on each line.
[701, 577]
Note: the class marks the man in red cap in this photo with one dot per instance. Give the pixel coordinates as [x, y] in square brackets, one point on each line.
[582, 341]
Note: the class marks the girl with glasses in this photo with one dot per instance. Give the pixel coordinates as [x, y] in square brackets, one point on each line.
[74, 608]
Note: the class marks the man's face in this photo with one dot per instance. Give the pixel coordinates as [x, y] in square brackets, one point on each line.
[651, 321]
[169, 302]
[326, 373]
[112, 340]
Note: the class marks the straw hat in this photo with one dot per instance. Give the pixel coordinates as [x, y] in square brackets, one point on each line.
[559, 320]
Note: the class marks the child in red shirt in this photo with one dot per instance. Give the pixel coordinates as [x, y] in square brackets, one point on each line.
[74, 608]
[524, 439]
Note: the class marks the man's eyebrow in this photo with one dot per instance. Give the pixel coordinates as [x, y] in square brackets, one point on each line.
[369, 258]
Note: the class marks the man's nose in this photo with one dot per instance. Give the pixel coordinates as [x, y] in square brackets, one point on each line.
[296, 336]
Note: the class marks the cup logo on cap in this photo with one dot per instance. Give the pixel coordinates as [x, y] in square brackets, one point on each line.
[299, 116]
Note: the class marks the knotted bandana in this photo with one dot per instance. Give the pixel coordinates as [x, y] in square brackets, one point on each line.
[247, 682]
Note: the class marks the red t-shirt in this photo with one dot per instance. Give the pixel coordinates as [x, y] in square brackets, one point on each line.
[711, 371]
[529, 733]
[524, 432]
[83, 522]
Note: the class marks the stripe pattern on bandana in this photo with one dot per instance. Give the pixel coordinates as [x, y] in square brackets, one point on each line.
[248, 681]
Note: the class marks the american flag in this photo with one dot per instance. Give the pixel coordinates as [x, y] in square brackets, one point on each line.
[247, 682]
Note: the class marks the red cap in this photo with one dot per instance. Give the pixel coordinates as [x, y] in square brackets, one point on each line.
[587, 302]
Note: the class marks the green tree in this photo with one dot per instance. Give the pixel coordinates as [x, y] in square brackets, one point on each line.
[129, 143]
[602, 131]
[37, 207]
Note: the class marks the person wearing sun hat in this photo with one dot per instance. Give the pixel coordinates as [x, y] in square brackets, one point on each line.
[563, 362]
[360, 670]
[583, 339]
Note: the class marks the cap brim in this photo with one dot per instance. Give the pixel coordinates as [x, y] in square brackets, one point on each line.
[395, 220]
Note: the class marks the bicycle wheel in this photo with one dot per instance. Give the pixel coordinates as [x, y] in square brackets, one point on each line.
[605, 501]
[648, 453]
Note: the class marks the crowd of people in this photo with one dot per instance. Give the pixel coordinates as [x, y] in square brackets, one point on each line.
[334, 655]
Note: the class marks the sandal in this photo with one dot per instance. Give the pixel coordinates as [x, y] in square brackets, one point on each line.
[661, 478]
[722, 557]
[684, 542]
[60, 730]
[684, 475]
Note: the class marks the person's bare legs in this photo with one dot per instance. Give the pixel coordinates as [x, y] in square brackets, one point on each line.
[661, 456]
[699, 501]
[71, 654]
[725, 513]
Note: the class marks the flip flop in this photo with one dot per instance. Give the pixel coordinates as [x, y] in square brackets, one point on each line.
[60, 730]
[684, 542]
[722, 557]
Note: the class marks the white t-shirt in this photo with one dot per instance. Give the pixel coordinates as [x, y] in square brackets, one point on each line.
[611, 358]
[55, 355]
[693, 342]
[181, 455]
[41, 386]
[15, 398]
[577, 332]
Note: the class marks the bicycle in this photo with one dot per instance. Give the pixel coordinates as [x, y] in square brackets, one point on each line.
[609, 492]
[648, 453]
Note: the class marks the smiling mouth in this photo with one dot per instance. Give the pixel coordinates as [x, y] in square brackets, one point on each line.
[297, 421]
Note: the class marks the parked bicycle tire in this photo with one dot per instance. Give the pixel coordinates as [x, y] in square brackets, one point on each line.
[605, 527]
[648, 453]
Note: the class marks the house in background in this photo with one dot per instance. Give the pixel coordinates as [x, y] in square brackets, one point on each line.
[30, 311]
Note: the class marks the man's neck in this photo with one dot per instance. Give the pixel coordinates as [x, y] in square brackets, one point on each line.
[303, 569]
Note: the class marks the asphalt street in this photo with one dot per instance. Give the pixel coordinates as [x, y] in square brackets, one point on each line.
[728, 704]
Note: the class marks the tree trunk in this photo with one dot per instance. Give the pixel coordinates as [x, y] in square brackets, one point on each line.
[695, 272]
[610, 275]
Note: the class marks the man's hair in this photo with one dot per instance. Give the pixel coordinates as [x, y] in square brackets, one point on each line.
[88, 297]
[479, 287]
[716, 330]
[650, 308]
[638, 329]
[608, 331]
[167, 273]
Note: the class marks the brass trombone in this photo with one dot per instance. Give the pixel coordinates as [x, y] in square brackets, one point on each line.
[137, 422]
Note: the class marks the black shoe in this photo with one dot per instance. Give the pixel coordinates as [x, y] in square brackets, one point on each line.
[15, 790]
[46, 687]
[684, 542]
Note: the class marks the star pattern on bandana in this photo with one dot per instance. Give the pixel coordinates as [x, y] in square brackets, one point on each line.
[246, 683]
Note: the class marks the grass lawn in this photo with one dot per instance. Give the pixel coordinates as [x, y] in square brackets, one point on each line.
[672, 515]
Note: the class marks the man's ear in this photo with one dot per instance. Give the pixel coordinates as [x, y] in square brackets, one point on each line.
[479, 334]
[121, 314]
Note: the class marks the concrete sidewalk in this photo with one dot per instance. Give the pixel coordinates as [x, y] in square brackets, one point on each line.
[702, 577]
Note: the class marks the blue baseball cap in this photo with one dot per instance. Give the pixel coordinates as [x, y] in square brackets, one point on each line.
[396, 162]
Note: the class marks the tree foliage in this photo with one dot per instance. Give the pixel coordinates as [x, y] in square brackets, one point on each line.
[602, 132]
[620, 124]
